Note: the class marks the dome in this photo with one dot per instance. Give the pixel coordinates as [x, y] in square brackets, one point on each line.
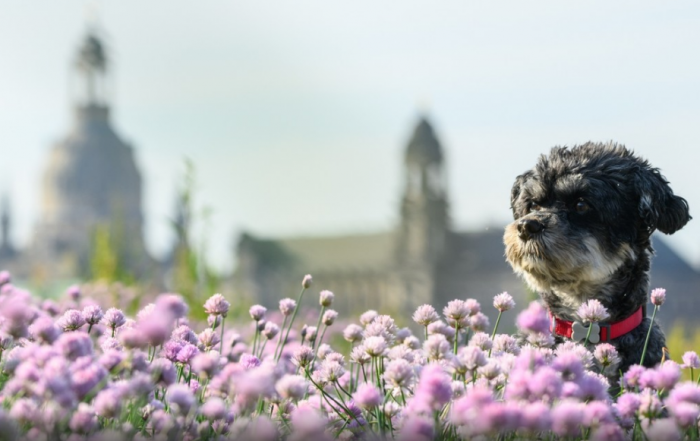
[424, 148]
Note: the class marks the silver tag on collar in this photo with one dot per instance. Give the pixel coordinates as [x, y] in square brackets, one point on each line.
[579, 332]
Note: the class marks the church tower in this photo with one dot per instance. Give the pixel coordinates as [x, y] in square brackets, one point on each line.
[424, 210]
[92, 185]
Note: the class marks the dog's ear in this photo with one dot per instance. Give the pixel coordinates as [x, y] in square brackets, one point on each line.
[515, 191]
[659, 208]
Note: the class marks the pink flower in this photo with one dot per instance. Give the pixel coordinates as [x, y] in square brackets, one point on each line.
[658, 296]
[180, 397]
[691, 360]
[533, 319]
[113, 318]
[217, 305]
[367, 396]
[329, 317]
[292, 387]
[567, 418]
[352, 333]
[326, 298]
[71, 320]
[306, 282]
[287, 306]
[175, 305]
[456, 313]
[503, 302]
[434, 387]
[425, 315]
[592, 311]
[257, 312]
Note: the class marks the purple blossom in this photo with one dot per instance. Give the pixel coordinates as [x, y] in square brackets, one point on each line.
[481, 340]
[399, 373]
[367, 396]
[249, 361]
[326, 298]
[74, 345]
[478, 322]
[206, 363]
[73, 292]
[163, 372]
[567, 418]
[84, 419]
[71, 320]
[292, 387]
[691, 360]
[662, 429]
[658, 296]
[352, 333]
[217, 305]
[213, 409]
[434, 386]
[368, 317]
[439, 327]
[92, 314]
[630, 380]
[108, 403]
[257, 312]
[271, 330]
[592, 311]
[186, 334]
[503, 302]
[456, 313]
[607, 356]
[114, 318]
[627, 404]
[425, 315]
[171, 349]
[132, 338]
[180, 397]
[329, 317]
[44, 329]
[534, 319]
[287, 306]
[173, 304]
[187, 353]
[208, 338]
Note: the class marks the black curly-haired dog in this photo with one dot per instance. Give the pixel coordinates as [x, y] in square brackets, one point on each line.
[583, 220]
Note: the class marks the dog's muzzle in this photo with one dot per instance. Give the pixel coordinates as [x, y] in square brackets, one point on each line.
[528, 228]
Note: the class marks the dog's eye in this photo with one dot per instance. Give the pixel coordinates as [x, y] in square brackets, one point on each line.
[533, 206]
[582, 207]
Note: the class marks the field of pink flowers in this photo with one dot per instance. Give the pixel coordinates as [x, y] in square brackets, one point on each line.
[71, 371]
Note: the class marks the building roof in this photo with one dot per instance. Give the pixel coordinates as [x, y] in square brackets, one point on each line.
[341, 253]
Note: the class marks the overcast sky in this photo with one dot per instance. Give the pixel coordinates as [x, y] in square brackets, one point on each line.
[296, 113]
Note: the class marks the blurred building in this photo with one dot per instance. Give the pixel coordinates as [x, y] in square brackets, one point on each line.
[91, 187]
[422, 260]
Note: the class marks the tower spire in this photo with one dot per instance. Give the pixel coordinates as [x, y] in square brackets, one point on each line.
[90, 70]
[424, 217]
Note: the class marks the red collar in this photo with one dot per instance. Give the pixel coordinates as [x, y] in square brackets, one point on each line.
[607, 331]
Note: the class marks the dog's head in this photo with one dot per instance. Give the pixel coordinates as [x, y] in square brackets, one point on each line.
[582, 212]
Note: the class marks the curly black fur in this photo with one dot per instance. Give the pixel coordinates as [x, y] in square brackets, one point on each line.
[594, 208]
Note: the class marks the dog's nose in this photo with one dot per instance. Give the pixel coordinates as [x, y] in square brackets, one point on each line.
[528, 228]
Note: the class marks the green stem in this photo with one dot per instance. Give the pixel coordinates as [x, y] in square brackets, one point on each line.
[454, 349]
[588, 334]
[315, 344]
[279, 340]
[646, 342]
[498, 320]
[294, 314]
[221, 345]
